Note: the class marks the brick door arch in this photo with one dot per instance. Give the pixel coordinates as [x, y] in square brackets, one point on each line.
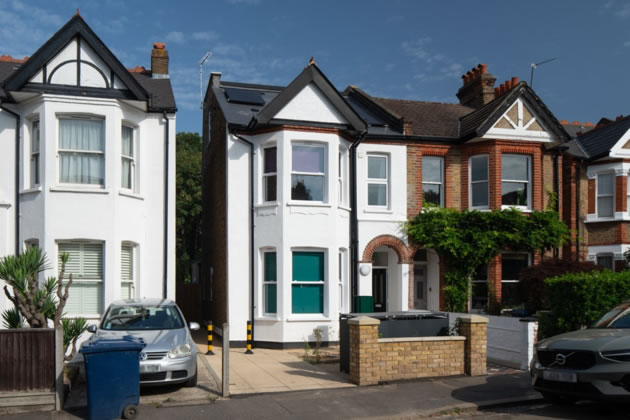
[399, 247]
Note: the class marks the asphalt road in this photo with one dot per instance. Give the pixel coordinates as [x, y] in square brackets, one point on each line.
[541, 411]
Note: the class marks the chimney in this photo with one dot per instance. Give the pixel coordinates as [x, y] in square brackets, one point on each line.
[159, 61]
[478, 88]
[215, 78]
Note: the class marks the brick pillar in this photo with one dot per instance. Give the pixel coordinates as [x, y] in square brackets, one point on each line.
[364, 350]
[475, 329]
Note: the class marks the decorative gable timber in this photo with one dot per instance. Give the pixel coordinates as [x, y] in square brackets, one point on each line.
[310, 84]
[520, 123]
[75, 61]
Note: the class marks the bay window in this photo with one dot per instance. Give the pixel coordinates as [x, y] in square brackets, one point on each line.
[128, 157]
[81, 151]
[270, 174]
[511, 266]
[270, 283]
[35, 154]
[606, 194]
[432, 180]
[516, 181]
[85, 264]
[308, 172]
[479, 192]
[307, 288]
[377, 179]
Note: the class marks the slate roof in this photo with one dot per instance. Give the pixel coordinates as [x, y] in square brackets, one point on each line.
[599, 141]
[159, 90]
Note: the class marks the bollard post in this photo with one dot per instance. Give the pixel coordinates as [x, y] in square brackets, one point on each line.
[225, 374]
[209, 352]
[249, 338]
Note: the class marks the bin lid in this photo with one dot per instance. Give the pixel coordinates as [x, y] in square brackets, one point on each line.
[103, 345]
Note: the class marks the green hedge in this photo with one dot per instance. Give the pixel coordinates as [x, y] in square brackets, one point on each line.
[579, 299]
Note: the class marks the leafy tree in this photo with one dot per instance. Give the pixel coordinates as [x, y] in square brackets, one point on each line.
[188, 202]
[467, 239]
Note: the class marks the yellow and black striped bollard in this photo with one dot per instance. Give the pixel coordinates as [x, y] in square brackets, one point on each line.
[209, 352]
[249, 338]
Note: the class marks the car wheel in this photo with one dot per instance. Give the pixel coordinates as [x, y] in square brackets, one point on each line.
[192, 381]
[558, 399]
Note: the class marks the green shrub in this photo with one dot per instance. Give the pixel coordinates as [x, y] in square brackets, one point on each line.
[579, 299]
[532, 280]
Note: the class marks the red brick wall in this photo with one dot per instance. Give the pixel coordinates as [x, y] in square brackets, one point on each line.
[621, 187]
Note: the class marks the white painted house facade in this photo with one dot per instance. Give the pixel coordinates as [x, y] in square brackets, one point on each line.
[95, 168]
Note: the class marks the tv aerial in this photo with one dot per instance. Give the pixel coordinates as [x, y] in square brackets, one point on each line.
[534, 67]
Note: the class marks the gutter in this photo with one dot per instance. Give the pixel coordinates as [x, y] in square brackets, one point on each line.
[251, 228]
[166, 166]
[577, 209]
[17, 177]
[354, 220]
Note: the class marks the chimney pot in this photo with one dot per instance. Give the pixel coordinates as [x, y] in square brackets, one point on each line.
[514, 81]
[478, 87]
[215, 78]
[159, 61]
[496, 91]
[484, 68]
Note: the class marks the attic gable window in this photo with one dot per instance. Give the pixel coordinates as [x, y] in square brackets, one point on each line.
[308, 172]
[81, 151]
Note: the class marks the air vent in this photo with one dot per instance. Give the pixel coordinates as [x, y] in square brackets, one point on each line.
[243, 96]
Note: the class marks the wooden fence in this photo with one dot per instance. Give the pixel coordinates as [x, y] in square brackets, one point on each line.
[27, 359]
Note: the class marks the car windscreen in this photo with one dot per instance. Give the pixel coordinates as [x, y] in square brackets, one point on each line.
[618, 317]
[141, 317]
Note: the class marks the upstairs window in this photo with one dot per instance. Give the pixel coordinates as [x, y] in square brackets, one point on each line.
[81, 151]
[128, 156]
[432, 180]
[270, 174]
[479, 192]
[378, 180]
[308, 175]
[606, 195]
[35, 155]
[516, 181]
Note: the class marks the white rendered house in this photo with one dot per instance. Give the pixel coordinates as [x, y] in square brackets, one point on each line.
[87, 162]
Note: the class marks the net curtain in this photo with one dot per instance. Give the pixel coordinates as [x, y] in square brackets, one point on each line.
[81, 144]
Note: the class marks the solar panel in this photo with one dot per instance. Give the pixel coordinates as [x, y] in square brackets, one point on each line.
[243, 96]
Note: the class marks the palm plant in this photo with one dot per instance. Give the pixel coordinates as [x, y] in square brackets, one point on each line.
[11, 318]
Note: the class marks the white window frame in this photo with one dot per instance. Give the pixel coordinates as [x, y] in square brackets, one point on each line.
[324, 175]
[341, 176]
[269, 174]
[133, 271]
[378, 181]
[528, 182]
[266, 283]
[61, 151]
[132, 159]
[35, 162]
[324, 283]
[80, 280]
[612, 196]
[605, 255]
[471, 182]
[343, 301]
[628, 193]
[441, 183]
[31, 243]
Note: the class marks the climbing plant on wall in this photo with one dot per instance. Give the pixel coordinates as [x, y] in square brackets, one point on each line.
[470, 238]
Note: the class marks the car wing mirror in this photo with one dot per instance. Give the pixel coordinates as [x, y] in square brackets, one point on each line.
[193, 326]
[91, 328]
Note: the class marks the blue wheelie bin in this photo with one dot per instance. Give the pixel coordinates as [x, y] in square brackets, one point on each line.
[112, 370]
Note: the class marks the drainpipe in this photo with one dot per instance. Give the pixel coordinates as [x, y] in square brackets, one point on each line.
[251, 229]
[17, 178]
[166, 180]
[354, 220]
[577, 210]
[556, 184]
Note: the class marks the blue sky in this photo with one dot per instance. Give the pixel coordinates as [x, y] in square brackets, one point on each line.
[395, 48]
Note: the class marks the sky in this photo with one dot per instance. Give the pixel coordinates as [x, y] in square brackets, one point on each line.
[407, 49]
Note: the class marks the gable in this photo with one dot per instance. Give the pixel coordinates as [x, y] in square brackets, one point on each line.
[520, 122]
[310, 104]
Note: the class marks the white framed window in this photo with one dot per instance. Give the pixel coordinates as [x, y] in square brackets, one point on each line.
[270, 282]
[270, 174]
[31, 243]
[85, 264]
[308, 281]
[606, 260]
[628, 194]
[433, 180]
[516, 179]
[479, 289]
[35, 147]
[479, 187]
[308, 172]
[378, 180]
[511, 265]
[81, 151]
[606, 194]
[343, 307]
[127, 271]
[128, 159]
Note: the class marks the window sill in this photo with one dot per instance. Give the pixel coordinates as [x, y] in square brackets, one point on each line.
[130, 195]
[308, 318]
[378, 211]
[31, 190]
[344, 208]
[520, 208]
[479, 208]
[79, 190]
[268, 205]
[619, 217]
[267, 319]
[307, 204]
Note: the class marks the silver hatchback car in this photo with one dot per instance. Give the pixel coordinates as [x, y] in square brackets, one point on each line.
[170, 355]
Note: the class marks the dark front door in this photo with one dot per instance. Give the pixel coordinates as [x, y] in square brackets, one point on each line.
[379, 289]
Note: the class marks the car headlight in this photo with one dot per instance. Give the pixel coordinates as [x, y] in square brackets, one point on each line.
[183, 350]
[617, 355]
